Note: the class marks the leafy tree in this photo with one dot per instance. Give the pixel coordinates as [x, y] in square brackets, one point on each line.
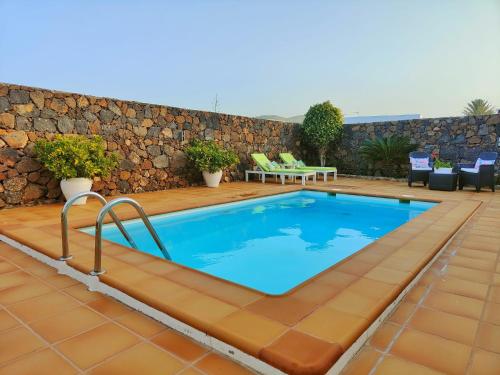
[322, 125]
[387, 154]
[478, 107]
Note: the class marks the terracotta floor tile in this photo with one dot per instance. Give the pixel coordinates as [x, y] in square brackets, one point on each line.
[448, 326]
[432, 351]
[6, 267]
[190, 371]
[248, 331]
[13, 279]
[298, 353]
[109, 307]
[392, 365]
[494, 294]
[28, 289]
[454, 304]
[402, 312]
[140, 359]
[384, 335]
[318, 292]
[16, 342]
[356, 304]
[60, 281]
[363, 362]
[286, 310]
[355, 267]
[333, 326]
[462, 287]
[479, 264]
[42, 362]
[387, 275]
[484, 363]
[201, 310]
[470, 274]
[81, 293]
[141, 324]
[7, 321]
[488, 337]
[180, 345]
[492, 313]
[94, 346]
[416, 294]
[476, 254]
[372, 288]
[67, 324]
[214, 364]
[43, 306]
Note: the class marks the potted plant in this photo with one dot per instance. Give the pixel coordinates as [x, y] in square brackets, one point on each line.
[75, 160]
[442, 167]
[210, 159]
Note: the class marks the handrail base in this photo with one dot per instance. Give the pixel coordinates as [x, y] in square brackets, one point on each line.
[63, 258]
[97, 273]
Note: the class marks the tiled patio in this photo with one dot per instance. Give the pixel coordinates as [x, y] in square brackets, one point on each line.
[408, 342]
[51, 324]
[450, 322]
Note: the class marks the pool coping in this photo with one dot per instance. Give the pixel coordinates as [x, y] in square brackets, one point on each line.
[272, 336]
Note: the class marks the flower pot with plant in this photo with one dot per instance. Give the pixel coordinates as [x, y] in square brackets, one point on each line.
[210, 159]
[76, 160]
[442, 167]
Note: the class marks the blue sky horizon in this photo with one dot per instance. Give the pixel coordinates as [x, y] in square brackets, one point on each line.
[260, 57]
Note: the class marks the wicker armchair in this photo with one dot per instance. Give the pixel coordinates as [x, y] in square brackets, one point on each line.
[419, 175]
[484, 176]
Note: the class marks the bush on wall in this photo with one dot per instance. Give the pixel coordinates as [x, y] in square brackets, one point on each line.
[322, 125]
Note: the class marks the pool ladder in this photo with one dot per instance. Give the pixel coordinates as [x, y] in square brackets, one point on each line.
[107, 208]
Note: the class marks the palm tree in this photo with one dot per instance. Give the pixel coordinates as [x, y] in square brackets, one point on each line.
[478, 107]
[387, 154]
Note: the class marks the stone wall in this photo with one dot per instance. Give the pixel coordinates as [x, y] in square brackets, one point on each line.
[150, 139]
[455, 139]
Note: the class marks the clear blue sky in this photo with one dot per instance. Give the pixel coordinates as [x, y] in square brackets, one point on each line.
[260, 57]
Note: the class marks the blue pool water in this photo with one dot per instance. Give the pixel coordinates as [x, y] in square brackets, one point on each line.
[271, 244]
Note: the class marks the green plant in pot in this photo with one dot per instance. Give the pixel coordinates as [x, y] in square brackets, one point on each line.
[76, 160]
[210, 159]
[443, 167]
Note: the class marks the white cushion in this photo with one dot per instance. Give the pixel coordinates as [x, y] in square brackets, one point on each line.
[421, 164]
[480, 162]
[470, 170]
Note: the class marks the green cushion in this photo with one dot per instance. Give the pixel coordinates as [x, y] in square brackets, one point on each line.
[287, 158]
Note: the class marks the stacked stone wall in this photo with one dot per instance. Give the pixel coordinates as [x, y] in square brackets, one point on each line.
[151, 138]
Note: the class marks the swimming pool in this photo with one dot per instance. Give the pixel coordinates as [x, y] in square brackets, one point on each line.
[275, 243]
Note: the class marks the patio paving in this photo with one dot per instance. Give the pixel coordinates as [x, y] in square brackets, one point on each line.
[50, 323]
[469, 270]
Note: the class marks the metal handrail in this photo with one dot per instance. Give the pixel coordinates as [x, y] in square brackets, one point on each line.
[64, 222]
[98, 231]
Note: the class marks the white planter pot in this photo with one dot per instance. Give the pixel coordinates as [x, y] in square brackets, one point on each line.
[443, 170]
[212, 179]
[75, 186]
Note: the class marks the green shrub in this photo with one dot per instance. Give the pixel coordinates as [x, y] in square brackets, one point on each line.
[387, 155]
[208, 156]
[442, 164]
[76, 156]
[323, 124]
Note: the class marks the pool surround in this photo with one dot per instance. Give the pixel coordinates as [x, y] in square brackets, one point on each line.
[326, 314]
